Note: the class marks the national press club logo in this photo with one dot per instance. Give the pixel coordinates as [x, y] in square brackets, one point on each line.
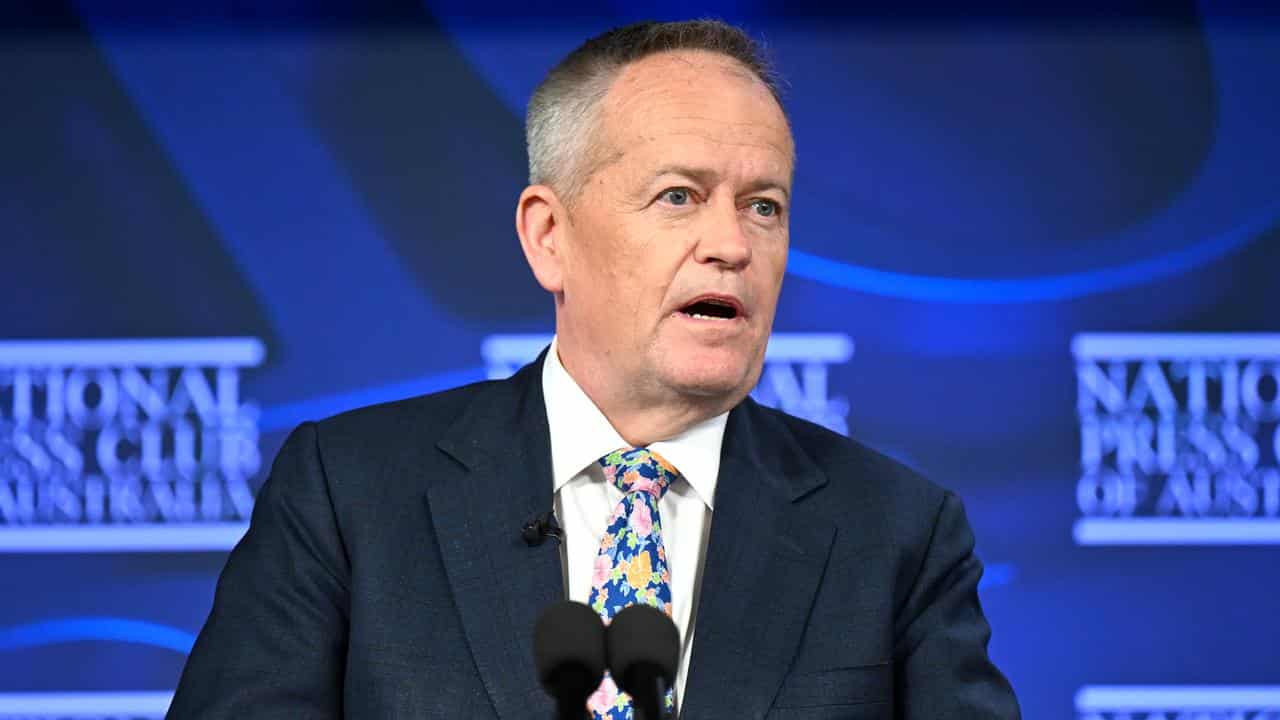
[1179, 439]
[1179, 442]
[110, 445]
[795, 376]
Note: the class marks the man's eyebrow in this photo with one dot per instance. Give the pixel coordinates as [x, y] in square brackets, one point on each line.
[766, 183]
[707, 176]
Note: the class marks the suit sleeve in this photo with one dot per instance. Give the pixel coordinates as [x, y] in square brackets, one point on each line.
[275, 642]
[941, 648]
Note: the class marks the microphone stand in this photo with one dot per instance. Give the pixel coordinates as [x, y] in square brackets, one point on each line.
[650, 707]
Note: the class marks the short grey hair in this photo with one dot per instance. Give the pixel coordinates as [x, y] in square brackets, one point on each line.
[560, 122]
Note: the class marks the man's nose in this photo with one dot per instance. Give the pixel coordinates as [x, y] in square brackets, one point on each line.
[723, 240]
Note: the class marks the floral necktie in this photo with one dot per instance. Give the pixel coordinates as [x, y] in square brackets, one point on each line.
[631, 567]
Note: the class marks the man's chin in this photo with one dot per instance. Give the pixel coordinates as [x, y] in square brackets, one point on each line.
[727, 384]
[726, 372]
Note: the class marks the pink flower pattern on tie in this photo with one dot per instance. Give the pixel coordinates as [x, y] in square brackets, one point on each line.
[631, 566]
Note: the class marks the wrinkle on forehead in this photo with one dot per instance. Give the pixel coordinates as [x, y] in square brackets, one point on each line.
[732, 140]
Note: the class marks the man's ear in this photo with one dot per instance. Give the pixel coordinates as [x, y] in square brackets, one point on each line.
[540, 223]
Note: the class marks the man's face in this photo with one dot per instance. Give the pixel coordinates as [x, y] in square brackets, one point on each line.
[675, 252]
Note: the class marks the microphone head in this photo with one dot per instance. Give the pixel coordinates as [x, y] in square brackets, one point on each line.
[568, 652]
[532, 532]
[538, 528]
[642, 638]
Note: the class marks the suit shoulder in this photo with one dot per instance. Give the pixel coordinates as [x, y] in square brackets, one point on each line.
[854, 467]
[422, 416]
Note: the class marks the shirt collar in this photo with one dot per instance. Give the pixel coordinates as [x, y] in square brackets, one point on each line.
[581, 435]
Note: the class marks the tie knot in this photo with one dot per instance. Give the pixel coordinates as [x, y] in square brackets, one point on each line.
[639, 470]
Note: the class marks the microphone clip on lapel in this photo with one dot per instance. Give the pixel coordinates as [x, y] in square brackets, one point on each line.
[538, 528]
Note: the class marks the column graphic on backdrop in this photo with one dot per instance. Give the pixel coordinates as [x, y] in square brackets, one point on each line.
[85, 706]
[126, 445]
[1179, 439]
[1215, 702]
[795, 376]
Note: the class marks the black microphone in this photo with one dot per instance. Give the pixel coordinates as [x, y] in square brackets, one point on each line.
[568, 652]
[538, 528]
[644, 652]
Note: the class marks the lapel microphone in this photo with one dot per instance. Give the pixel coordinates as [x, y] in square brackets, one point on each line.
[538, 528]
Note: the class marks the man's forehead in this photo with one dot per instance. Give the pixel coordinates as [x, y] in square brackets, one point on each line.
[692, 62]
[696, 102]
[687, 77]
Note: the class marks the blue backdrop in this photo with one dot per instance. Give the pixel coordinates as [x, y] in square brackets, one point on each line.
[1018, 244]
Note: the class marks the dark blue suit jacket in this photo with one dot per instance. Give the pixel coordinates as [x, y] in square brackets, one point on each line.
[383, 576]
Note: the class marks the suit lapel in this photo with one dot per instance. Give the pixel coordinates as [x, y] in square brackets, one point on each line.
[500, 584]
[765, 559]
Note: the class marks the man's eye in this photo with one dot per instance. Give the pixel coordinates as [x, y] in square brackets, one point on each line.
[677, 196]
[766, 208]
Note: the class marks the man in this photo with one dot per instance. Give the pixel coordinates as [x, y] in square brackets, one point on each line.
[384, 574]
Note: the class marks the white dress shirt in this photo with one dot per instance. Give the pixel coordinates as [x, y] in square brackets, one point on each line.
[580, 436]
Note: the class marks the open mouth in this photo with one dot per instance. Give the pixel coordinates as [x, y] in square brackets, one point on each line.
[712, 309]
